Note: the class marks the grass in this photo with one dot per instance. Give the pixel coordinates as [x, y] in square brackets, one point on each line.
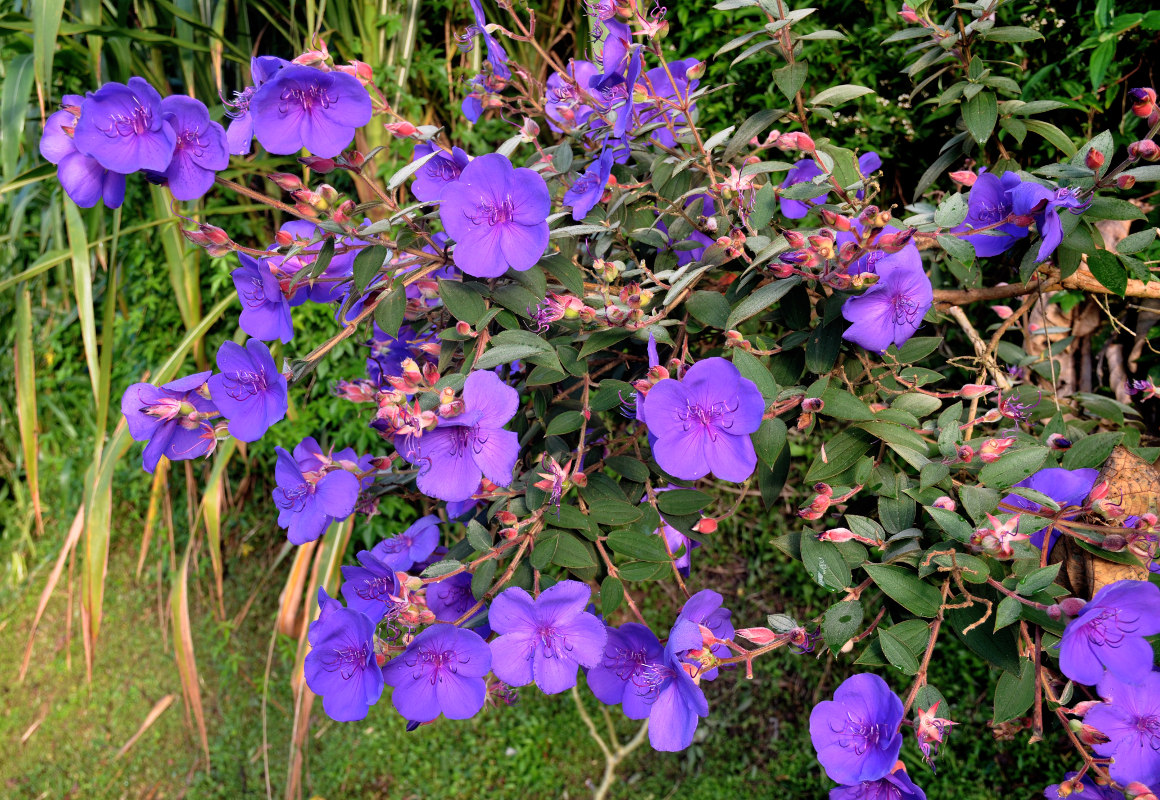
[754, 744]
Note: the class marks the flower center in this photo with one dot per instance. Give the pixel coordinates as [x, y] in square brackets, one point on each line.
[135, 123]
[293, 499]
[305, 98]
[1149, 729]
[624, 662]
[190, 139]
[430, 663]
[443, 169]
[348, 660]
[465, 439]
[904, 309]
[710, 418]
[989, 214]
[456, 596]
[861, 736]
[378, 588]
[493, 213]
[241, 385]
[1110, 627]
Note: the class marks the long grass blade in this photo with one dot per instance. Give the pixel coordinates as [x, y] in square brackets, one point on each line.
[26, 402]
[160, 485]
[183, 648]
[70, 542]
[212, 500]
[78, 240]
[46, 17]
[288, 621]
[14, 110]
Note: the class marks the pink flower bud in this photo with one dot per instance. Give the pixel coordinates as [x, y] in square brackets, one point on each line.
[1072, 606]
[908, 14]
[706, 525]
[1145, 149]
[945, 503]
[318, 164]
[401, 130]
[1094, 159]
[973, 390]
[758, 636]
[285, 181]
[964, 177]
[464, 329]
[1143, 101]
[794, 239]
[813, 404]
[1125, 181]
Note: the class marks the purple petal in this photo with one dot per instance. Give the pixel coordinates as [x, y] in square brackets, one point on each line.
[511, 656]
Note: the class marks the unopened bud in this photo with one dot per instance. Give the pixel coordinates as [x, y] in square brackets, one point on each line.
[286, 181]
[318, 164]
[1125, 181]
[284, 238]
[813, 404]
[973, 390]
[964, 177]
[706, 525]
[1143, 101]
[945, 503]
[464, 329]
[401, 130]
[1094, 159]
[794, 239]
[1057, 441]
[1072, 606]
[1114, 542]
[966, 453]
[696, 72]
[1054, 613]
[1145, 149]
[506, 518]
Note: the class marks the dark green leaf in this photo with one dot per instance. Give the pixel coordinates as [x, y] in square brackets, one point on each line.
[760, 300]
[1015, 692]
[897, 653]
[709, 308]
[462, 301]
[389, 310]
[824, 562]
[907, 589]
[367, 264]
[1108, 270]
[1012, 467]
[841, 623]
[682, 501]
[611, 595]
[980, 114]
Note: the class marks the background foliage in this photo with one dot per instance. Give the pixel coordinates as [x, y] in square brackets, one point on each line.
[92, 302]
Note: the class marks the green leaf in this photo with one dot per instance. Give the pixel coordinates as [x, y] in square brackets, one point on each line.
[841, 623]
[367, 264]
[1014, 693]
[611, 595]
[769, 440]
[614, 512]
[1052, 134]
[840, 404]
[565, 422]
[639, 546]
[1091, 451]
[462, 301]
[750, 128]
[1011, 34]
[1113, 208]
[951, 211]
[440, 568]
[1136, 242]
[643, 571]
[980, 114]
[1007, 612]
[904, 587]
[765, 205]
[1038, 580]
[572, 553]
[682, 501]
[709, 308]
[790, 79]
[751, 367]
[478, 536]
[999, 648]
[897, 653]
[841, 453]
[602, 339]
[824, 562]
[759, 300]
[389, 310]
[1012, 467]
[836, 95]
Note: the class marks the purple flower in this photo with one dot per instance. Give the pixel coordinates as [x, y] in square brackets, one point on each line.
[703, 421]
[451, 598]
[123, 128]
[856, 734]
[675, 89]
[1109, 632]
[200, 151]
[497, 215]
[1067, 487]
[806, 170]
[1130, 718]
[302, 107]
[564, 103]
[310, 497]
[453, 458]
[625, 112]
[388, 353]
[441, 672]
[988, 203]
[677, 701]
[705, 608]
[675, 540]
[547, 639]
[83, 178]
[495, 52]
[341, 665]
[1043, 203]
[172, 418]
[708, 209]
[895, 786]
[265, 309]
[371, 588]
[1091, 790]
[890, 311]
[585, 193]
[441, 169]
[410, 547]
[240, 133]
[249, 391]
[632, 656]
